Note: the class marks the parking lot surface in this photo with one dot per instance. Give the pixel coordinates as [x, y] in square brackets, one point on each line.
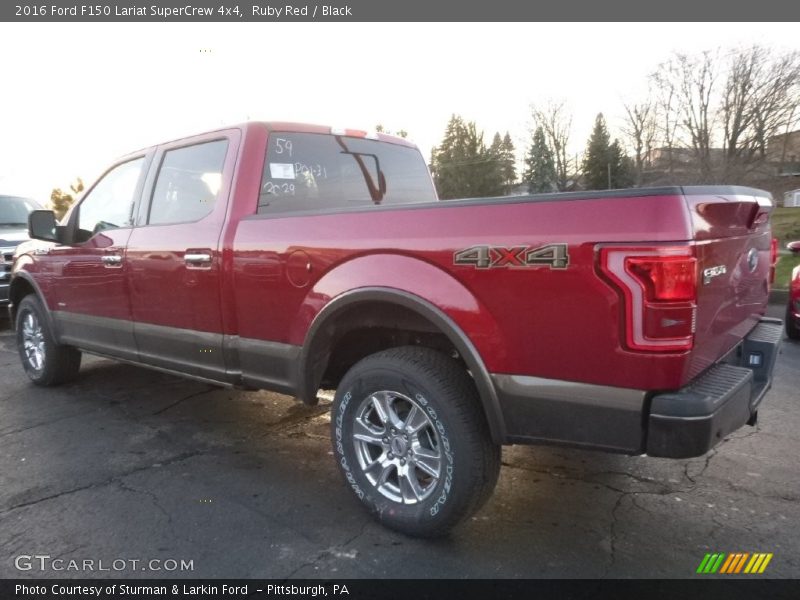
[127, 464]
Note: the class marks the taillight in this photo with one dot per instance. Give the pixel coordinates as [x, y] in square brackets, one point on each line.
[659, 285]
[357, 133]
[666, 278]
[773, 260]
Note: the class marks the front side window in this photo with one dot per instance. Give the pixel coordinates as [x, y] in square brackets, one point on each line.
[109, 204]
[188, 183]
[312, 171]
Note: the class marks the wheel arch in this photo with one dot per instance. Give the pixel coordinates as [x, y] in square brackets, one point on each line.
[23, 285]
[322, 335]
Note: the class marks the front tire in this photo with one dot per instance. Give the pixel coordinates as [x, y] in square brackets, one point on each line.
[45, 361]
[412, 442]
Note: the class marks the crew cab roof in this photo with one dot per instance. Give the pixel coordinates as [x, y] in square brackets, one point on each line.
[288, 126]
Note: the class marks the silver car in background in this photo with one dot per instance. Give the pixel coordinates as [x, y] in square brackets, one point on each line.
[14, 213]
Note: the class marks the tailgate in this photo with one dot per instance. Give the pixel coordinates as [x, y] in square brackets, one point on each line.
[733, 236]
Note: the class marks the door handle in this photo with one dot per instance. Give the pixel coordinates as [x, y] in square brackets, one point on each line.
[197, 258]
[111, 260]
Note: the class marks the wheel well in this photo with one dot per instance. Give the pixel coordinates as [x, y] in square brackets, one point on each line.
[380, 319]
[364, 328]
[19, 290]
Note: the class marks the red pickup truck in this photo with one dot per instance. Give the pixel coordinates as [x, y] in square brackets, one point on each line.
[292, 258]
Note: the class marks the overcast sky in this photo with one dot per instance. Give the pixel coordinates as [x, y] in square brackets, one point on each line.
[76, 96]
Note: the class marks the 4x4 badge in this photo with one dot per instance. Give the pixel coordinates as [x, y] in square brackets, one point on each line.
[554, 256]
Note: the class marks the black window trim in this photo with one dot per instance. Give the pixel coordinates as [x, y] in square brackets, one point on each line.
[74, 218]
[291, 212]
[143, 214]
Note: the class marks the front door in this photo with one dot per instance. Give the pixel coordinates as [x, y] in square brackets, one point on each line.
[92, 307]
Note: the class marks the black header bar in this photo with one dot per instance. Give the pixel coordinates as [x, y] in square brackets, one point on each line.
[340, 11]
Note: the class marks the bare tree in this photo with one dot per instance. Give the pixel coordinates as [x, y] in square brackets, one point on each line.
[61, 201]
[736, 111]
[697, 80]
[640, 128]
[760, 101]
[775, 99]
[744, 101]
[664, 81]
[685, 90]
[556, 124]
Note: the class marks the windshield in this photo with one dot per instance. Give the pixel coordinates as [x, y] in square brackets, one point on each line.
[14, 211]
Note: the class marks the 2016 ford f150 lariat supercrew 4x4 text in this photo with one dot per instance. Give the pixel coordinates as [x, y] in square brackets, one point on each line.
[293, 258]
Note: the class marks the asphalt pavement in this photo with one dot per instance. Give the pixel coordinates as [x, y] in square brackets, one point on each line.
[139, 472]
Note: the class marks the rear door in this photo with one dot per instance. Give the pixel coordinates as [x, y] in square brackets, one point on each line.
[174, 258]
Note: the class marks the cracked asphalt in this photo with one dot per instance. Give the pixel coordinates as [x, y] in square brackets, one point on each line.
[127, 463]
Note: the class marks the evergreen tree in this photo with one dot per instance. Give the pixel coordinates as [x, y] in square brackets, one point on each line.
[461, 164]
[605, 164]
[494, 183]
[597, 160]
[496, 148]
[446, 168]
[508, 165]
[540, 168]
[622, 167]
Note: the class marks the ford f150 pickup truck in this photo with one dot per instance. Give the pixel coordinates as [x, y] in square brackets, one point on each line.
[295, 258]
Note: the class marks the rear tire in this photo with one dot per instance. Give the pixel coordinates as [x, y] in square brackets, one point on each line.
[45, 361]
[412, 442]
[792, 325]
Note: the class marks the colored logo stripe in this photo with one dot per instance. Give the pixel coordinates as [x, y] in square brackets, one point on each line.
[734, 562]
[711, 563]
[758, 563]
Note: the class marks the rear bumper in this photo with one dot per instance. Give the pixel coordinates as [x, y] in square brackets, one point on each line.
[4, 293]
[680, 424]
[693, 420]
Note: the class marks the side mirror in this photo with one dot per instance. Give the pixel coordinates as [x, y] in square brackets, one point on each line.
[794, 247]
[42, 225]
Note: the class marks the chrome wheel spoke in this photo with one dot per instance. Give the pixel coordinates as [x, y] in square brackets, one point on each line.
[380, 403]
[364, 433]
[33, 341]
[27, 328]
[382, 470]
[428, 461]
[415, 420]
[410, 488]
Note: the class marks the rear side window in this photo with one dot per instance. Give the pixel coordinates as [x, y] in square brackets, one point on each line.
[188, 183]
[311, 171]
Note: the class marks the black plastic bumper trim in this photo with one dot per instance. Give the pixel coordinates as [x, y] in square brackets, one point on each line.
[691, 421]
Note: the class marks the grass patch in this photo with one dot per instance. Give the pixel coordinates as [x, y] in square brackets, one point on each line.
[786, 225]
[783, 271]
